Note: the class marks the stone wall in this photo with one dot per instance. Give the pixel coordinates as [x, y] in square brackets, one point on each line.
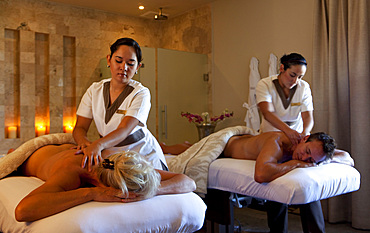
[47, 63]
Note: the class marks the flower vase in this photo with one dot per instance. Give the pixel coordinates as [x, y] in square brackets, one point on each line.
[205, 129]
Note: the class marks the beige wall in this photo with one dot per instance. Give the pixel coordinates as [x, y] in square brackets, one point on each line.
[243, 29]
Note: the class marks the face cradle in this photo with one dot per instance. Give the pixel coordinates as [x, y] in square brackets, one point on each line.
[123, 64]
[289, 78]
[311, 152]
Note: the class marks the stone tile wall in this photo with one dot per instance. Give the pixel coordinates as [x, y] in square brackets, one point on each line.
[60, 48]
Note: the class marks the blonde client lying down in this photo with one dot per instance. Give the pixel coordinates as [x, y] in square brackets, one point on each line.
[121, 177]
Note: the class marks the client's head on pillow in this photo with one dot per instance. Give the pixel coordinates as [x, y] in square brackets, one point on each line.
[130, 172]
[328, 143]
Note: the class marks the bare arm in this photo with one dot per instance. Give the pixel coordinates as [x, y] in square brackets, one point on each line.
[308, 122]
[267, 167]
[59, 194]
[268, 113]
[80, 132]
[174, 149]
[173, 183]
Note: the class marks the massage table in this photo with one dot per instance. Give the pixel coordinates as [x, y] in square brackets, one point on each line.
[164, 213]
[223, 182]
[230, 180]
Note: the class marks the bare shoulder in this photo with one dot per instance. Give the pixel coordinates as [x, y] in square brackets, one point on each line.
[270, 147]
[268, 137]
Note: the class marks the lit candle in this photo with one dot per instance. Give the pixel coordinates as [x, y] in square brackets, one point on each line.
[68, 128]
[12, 132]
[41, 130]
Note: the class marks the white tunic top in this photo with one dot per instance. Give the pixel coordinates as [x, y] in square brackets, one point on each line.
[136, 104]
[291, 114]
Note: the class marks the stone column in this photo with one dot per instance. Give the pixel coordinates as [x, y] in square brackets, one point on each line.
[27, 84]
[56, 83]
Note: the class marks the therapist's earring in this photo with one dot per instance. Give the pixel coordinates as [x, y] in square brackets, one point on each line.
[108, 66]
[136, 72]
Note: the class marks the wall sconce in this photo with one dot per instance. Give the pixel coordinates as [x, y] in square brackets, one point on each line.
[12, 131]
[68, 129]
[40, 130]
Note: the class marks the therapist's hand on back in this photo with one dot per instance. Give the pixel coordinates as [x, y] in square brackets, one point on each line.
[92, 155]
[293, 136]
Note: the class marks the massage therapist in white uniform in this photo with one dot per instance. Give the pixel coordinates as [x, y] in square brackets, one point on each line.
[285, 101]
[119, 107]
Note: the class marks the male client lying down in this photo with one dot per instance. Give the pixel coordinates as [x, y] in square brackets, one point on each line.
[275, 156]
[121, 177]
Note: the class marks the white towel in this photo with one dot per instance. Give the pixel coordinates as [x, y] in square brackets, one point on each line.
[272, 65]
[195, 161]
[252, 117]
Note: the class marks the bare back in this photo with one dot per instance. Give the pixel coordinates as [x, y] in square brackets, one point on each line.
[49, 159]
[249, 146]
[66, 184]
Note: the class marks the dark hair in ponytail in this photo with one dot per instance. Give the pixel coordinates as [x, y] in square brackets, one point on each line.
[292, 59]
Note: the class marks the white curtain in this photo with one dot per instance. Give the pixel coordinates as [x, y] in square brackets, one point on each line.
[341, 87]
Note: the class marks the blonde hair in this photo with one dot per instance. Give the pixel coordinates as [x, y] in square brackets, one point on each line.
[130, 172]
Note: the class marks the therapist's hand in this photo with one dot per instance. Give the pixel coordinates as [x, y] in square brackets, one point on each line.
[293, 136]
[92, 156]
[81, 146]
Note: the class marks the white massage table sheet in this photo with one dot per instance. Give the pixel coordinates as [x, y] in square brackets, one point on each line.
[299, 186]
[166, 213]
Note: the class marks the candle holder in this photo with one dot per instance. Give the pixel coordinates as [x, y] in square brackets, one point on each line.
[68, 129]
[12, 132]
[40, 130]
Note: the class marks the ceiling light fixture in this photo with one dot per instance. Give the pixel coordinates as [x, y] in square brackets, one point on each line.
[160, 16]
[141, 7]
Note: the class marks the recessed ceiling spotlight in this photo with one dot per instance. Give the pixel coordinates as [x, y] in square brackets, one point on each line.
[141, 7]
